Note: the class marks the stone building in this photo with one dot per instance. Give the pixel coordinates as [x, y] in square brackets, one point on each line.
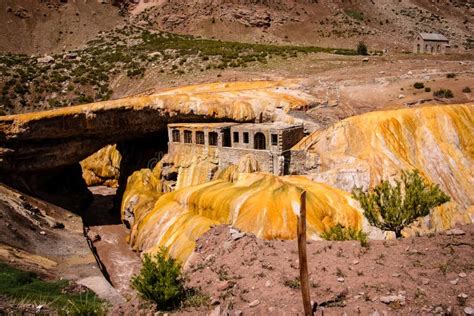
[270, 143]
[431, 43]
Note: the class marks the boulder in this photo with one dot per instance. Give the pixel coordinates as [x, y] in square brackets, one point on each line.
[45, 60]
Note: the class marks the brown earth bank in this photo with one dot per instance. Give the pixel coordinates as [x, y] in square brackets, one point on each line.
[430, 275]
[43, 238]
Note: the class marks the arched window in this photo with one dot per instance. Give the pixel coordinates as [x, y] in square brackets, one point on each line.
[259, 141]
[176, 136]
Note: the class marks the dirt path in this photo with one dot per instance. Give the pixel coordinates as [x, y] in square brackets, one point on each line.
[109, 238]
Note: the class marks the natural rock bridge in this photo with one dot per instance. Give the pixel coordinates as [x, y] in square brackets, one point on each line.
[40, 152]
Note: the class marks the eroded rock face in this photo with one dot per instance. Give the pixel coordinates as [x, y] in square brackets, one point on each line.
[364, 149]
[44, 140]
[257, 203]
[102, 167]
[35, 144]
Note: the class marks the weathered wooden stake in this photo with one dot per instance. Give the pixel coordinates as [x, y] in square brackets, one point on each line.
[304, 280]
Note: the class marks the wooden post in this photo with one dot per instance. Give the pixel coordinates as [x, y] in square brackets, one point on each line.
[304, 280]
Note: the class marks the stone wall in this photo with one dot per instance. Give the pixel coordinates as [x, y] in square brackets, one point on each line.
[290, 137]
[430, 47]
[229, 156]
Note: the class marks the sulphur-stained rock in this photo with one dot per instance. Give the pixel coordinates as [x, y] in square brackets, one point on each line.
[102, 167]
[364, 149]
[247, 164]
[71, 134]
[44, 143]
[441, 218]
[258, 203]
[142, 190]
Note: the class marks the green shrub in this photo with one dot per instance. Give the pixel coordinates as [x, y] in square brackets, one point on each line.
[160, 280]
[362, 49]
[293, 284]
[392, 207]
[466, 90]
[195, 298]
[443, 93]
[419, 85]
[427, 89]
[357, 15]
[340, 233]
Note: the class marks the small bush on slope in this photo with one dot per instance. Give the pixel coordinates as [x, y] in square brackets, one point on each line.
[161, 281]
[392, 207]
[362, 49]
[443, 93]
[340, 232]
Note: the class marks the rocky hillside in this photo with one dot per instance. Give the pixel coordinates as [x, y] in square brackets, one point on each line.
[54, 25]
[325, 22]
[47, 26]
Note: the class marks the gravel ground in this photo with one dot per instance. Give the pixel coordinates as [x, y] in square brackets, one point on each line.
[422, 275]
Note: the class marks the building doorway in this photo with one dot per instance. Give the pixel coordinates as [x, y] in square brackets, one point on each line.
[226, 142]
[259, 141]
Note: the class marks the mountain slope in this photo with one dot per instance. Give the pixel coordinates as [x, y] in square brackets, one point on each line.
[326, 23]
[39, 27]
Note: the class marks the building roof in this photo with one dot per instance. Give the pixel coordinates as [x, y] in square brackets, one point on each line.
[269, 125]
[201, 125]
[434, 37]
[249, 126]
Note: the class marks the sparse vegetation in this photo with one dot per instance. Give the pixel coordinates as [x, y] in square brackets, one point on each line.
[195, 298]
[27, 287]
[161, 281]
[419, 85]
[357, 15]
[84, 75]
[451, 75]
[427, 89]
[340, 233]
[394, 206]
[466, 90]
[362, 49]
[443, 93]
[293, 283]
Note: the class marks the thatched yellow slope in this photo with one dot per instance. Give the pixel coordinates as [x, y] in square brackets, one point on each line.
[258, 203]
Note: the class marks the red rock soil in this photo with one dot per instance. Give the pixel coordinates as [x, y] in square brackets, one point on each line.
[430, 275]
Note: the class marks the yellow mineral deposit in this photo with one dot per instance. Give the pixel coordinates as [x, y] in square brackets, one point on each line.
[103, 167]
[362, 150]
[437, 140]
[257, 203]
[241, 101]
